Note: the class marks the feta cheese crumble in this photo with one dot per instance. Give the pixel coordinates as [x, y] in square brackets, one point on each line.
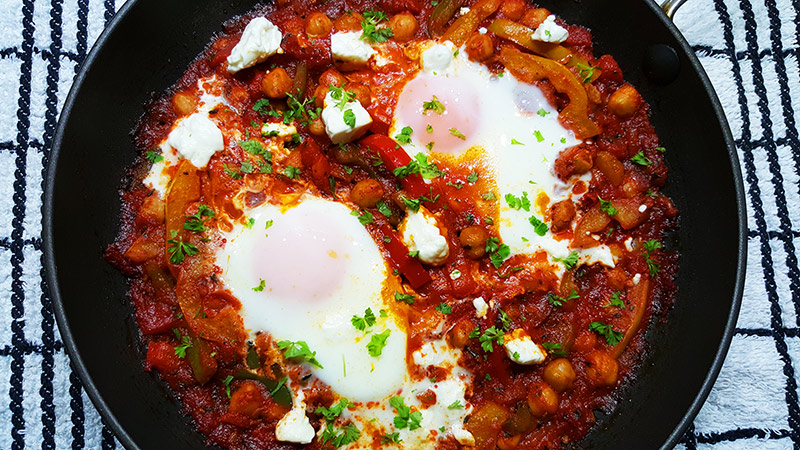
[344, 123]
[481, 308]
[349, 47]
[550, 31]
[196, 138]
[522, 350]
[295, 426]
[260, 40]
[421, 234]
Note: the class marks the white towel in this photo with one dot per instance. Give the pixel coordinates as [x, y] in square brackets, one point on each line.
[749, 49]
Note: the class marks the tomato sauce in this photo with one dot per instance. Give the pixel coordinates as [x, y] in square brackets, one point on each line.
[188, 320]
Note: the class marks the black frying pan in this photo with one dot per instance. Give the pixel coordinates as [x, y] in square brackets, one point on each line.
[151, 42]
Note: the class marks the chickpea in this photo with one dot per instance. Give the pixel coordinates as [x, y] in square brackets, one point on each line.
[602, 369]
[349, 21]
[542, 399]
[318, 24]
[624, 102]
[534, 17]
[362, 92]
[513, 9]
[332, 77]
[316, 127]
[184, 103]
[459, 334]
[559, 374]
[473, 239]
[561, 215]
[366, 193]
[277, 83]
[479, 47]
[404, 26]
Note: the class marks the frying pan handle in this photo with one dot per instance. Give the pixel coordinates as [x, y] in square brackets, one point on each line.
[670, 7]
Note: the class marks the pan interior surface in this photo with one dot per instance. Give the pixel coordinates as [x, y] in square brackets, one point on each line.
[149, 46]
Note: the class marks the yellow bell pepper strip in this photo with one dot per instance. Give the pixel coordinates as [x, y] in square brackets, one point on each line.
[183, 191]
[530, 68]
[638, 296]
[521, 35]
[468, 24]
[441, 14]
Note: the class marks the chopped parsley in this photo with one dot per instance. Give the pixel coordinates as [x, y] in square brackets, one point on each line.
[434, 105]
[254, 147]
[362, 323]
[429, 128]
[649, 247]
[414, 203]
[334, 411]
[607, 207]
[554, 349]
[419, 164]
[364, 218]
[489, 196]
[615, 301]
[261, 106]
[179, 250]
[472, 177]
[261, 285]
[299, 350]
[349, 118]
[246, 167]
[227, 383]
[498, 252]
[518, 202]
[249, 224]
[180, 350]
[153, 157]
[539, 137]
[455, 405]
[384, 209]
[377, 342]
[586, 72]
[641, 160]
[405, 418]
[405, 135]
[391, 438]
[231, 173]
[341, 436]
[196, 222]
[370, 26]
[455, 185]
[405, 298]
[542, 112]
[557, 301]
[570, 261]
[538, 226]
[605, 330]
[516, 142]
[342, 96]
[458, 134]
[444, 308]
[491, 336]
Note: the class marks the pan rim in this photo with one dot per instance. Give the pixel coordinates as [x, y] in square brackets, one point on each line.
[51, 272]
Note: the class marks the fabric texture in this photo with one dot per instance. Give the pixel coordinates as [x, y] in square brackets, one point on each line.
[749, 49]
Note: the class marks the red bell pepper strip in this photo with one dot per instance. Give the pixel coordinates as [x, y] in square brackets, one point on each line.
[409, 267]
[393, 157]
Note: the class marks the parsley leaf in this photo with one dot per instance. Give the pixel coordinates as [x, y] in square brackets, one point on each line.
[405, 298]
[554, 349]
[500, 255]
[391, 438]
[642, 160]
[615, 301]
[384, 209]
[179, 250]
[300, 351]
[570, 261]
[557, 301]
[434, 105]
[405, 136]
[538, 226]
[491, 336]
[472, 177]
[291, 172]
[153, 157]
[362, 323]
[261, 106]
[518, 202]
[458, 134]
[586, 72]
[349, 118]
[334, 411]
[370, 26]
[261, 285]
[418, 165]
[405, 418]
[489, 196]
[180, 350]
[343, 96]
[605, 330]
[652, 266]
[377, 342]
[607, 207]
[516, 142]
[444, 308]
[542, 112]
[227, 383]
[253, 147]
[196, 222]
[455, 405]
[539, 137]
[364, 218]
[340, 437]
